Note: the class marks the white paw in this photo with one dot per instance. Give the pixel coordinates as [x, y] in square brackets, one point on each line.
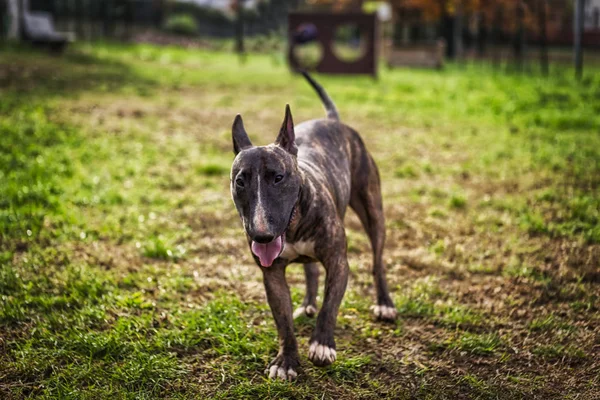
[277, 372]
[308, 311]
[321, 354]
[385, 312]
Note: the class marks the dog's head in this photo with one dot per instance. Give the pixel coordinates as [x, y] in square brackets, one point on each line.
[265, 185]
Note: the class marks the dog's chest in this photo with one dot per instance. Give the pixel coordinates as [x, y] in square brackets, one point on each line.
[292, 251]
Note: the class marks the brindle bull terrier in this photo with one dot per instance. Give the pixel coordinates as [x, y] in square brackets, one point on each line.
[292, 196]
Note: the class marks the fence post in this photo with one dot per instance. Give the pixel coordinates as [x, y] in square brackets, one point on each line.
[578, 56]
[239, 27]
[543, 36]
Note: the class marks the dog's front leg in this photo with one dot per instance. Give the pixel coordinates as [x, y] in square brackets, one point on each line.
[285, 365]
[322, 343]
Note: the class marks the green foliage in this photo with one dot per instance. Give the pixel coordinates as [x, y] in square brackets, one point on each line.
[181, 24]
[199, 12]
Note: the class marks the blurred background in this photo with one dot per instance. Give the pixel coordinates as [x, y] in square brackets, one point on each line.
[412, 32]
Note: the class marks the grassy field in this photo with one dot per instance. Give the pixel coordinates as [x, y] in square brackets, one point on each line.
[123, 267]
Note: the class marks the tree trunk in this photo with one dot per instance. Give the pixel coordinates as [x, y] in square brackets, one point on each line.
[159, 13]
[543, 36]
[497, 37]
[79, 18]
[14, 25]
[239, 27]
[457, 32]
[482, 35]
[519, 38]
[578, 56]
[447, 29]
[129, 19]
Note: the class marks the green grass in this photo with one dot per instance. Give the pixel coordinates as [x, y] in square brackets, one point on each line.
[124, 272]
[559, 352]
[476, 344]
[551, 324]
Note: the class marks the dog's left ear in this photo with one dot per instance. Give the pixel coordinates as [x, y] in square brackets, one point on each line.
[287, 137]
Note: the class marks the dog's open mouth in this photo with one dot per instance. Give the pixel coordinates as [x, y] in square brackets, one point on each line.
[268, 252]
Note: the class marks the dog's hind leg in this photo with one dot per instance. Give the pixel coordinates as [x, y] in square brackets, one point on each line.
[366, 202]
[309, 305]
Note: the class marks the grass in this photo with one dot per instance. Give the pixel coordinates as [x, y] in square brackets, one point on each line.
[123, 267]
[559, 352]
[476, 344]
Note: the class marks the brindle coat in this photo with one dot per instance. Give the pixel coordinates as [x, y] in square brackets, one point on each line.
[300, 187]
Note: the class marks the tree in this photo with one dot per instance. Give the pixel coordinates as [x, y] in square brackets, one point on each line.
[578, 30]
[542, 6]
[433, 10]
[14, 26]
[502, 22]
[338, 5]
[238, 6]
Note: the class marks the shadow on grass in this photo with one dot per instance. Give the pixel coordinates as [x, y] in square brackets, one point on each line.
[26, 70]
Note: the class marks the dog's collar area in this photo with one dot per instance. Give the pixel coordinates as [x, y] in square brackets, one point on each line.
[294, 211]
[292, 216]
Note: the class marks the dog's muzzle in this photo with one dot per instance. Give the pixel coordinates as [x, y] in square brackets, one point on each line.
[268, 252]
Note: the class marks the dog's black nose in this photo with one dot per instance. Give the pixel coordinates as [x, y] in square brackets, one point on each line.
[263, 238]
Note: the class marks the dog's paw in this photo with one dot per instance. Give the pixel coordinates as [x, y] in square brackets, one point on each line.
[283, 367]
[385, 313]
[321, 354]
[308, 311]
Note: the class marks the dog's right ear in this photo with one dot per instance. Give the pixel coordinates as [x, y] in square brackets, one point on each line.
[240, 138]
[287, 137]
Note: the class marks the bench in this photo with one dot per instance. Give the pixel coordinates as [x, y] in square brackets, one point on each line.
[38, 28]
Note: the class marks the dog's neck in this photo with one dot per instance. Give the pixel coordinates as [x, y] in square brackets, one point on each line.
[303, 207]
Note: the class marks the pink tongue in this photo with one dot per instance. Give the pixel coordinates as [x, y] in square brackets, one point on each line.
[268, 252]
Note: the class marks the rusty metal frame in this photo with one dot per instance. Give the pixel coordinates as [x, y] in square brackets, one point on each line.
[326, 24]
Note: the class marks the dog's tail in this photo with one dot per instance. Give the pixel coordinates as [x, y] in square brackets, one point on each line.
[332, 112]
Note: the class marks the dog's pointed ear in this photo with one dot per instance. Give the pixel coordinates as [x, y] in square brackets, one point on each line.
[287, 137]
[240, 138]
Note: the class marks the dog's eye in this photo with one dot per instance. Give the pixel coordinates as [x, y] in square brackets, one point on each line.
[239, 182]
[278, 178]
